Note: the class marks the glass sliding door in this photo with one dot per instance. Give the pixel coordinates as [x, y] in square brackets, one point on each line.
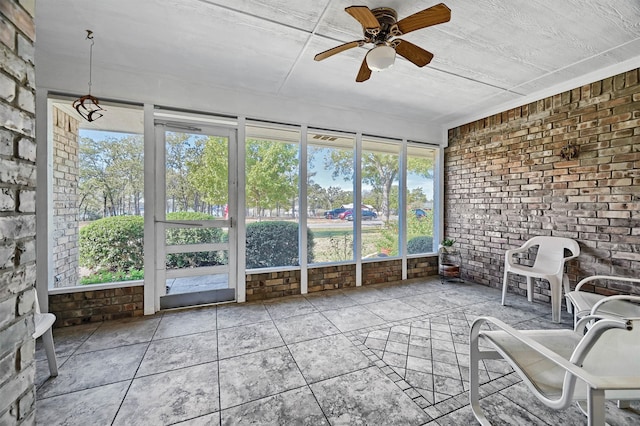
[195, 215]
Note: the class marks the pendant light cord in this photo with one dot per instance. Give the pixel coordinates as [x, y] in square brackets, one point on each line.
[90, 37]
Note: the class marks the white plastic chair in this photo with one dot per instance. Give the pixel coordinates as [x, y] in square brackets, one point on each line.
[44, 324]
[549, 265]
[560, 366]
[586, 303]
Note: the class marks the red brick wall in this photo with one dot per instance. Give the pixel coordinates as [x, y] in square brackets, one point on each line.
[331, 277]
[272, 284]
[97, 305]
[505, 181]
[285, 283]
[381, 272]
[420, 267]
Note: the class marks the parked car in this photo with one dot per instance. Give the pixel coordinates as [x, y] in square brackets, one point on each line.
[334, 214]
[366, 215]
[345, 213]
[419, 213]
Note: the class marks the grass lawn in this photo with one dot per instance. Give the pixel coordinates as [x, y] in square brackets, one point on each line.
[333, 245]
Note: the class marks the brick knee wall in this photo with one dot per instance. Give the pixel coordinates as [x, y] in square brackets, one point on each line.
[331, 277]
[97, 305]
[381, 272]
[270, 285]
[101, 305]
[505, 181]
[420, 267]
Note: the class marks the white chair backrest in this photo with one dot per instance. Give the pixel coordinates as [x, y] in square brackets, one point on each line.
[550, 254]
[616, 353]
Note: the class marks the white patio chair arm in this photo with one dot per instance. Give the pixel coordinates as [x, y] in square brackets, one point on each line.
[585, 323]
[599, 303]
[619, 383]
[605, 277]
[591, 380]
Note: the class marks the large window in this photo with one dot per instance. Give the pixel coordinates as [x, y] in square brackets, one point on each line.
[379, 209]
[420, 199]
[98, 200]
[272, 182]
[102, 162]
[330, 195]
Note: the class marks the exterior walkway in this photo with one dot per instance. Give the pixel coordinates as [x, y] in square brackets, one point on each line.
[376, 355]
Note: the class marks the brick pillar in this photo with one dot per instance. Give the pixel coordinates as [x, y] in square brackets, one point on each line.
[65, 199]
[17, 212]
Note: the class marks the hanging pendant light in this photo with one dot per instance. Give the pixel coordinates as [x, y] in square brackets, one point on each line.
[88, 106]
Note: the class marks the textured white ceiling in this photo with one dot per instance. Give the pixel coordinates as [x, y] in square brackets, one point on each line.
[255, 58]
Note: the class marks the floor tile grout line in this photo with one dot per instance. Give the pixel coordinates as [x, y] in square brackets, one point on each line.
[69, 356]
[219, 368]
[75, 354]
[124, 397]
[307, 385]
[82, 390]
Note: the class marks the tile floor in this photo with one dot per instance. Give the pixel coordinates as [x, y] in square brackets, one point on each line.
[389, 354]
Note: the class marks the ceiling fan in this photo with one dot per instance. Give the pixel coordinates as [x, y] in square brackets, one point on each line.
[380, 25]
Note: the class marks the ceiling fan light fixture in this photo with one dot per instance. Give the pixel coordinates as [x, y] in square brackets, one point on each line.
[381, 57]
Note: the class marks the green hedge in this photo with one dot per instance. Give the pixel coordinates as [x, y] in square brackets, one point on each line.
[116, 243]
[112, 243]
[419, 245]
[275, 243]
[194, 235]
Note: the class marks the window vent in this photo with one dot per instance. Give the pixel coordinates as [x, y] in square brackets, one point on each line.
[325, 137]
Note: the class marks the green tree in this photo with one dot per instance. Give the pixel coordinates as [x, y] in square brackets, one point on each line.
[317, 198]
[271, 175]
[111, 174]
[335, 194]
[380, 171]
[416, 198]
[181, 150]
[208, 172]
[128, 163]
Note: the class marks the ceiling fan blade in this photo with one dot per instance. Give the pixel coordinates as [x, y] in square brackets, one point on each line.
[324, 55]
[364, 15]
[432, 16]
[364, 73]
[413, 53]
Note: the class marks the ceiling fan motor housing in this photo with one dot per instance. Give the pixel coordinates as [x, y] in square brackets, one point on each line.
[387, 17]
